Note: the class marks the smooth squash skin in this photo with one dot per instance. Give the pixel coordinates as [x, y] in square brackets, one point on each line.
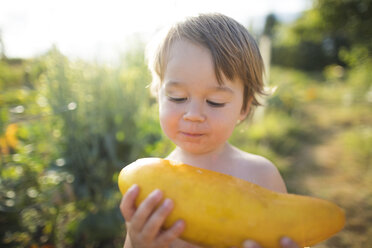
[223, 211]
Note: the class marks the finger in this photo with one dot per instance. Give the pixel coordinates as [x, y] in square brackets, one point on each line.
[288, 243]
[171, 234]
[145, 209]
[155, 222]
[250, 244]
[127, 204]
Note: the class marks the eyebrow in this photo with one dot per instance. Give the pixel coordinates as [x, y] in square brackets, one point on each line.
[214, 88]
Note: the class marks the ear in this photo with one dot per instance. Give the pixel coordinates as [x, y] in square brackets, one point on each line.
[244, 112]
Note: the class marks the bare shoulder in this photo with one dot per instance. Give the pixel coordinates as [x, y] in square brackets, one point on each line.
[259, 170]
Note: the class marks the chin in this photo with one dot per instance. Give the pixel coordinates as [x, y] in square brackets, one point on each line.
[195, 149]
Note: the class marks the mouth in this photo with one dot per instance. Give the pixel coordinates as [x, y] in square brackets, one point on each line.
[195, 135]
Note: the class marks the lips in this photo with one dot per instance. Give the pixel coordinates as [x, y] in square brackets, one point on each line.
[189, 134]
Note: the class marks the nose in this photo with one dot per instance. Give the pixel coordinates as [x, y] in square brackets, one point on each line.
[194, 112]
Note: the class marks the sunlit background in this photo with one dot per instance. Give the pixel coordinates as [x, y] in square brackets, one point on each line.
[99, 29]
[75, 109]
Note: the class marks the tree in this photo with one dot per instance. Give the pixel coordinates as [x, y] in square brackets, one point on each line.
[351, 20]
[332, 32]
[270, 23]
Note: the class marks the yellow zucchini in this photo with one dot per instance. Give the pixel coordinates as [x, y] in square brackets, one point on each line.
[223, 211]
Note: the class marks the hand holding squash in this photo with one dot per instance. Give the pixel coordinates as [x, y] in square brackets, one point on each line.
[144, 223]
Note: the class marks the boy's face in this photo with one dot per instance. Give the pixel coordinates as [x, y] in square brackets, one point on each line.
[195, 112]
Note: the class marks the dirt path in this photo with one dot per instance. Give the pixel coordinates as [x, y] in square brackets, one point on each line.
[329, 170]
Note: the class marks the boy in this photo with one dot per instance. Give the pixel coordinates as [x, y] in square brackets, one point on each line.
[207, 72]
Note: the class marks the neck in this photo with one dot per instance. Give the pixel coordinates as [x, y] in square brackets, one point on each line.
[205, 160]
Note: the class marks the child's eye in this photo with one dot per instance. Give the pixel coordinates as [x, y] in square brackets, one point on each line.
[215, 104]
[177, 99]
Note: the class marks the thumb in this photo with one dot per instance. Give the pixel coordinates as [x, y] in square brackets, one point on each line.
[127, 204]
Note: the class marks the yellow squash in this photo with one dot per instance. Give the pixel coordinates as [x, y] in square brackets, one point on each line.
[223, 211]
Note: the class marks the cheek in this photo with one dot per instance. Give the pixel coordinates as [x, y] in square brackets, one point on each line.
[225, 125]
[168, 117]
[226, 117]
[168, 110]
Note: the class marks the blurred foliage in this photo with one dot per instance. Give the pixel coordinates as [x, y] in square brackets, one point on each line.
[68, 127]
[350, 19]
[271, 23]
[316, 128]
[332, 32]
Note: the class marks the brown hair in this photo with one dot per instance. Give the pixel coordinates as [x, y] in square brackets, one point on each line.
[234, 52]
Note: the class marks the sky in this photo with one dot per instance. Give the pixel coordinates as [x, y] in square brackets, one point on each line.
[100, 30]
